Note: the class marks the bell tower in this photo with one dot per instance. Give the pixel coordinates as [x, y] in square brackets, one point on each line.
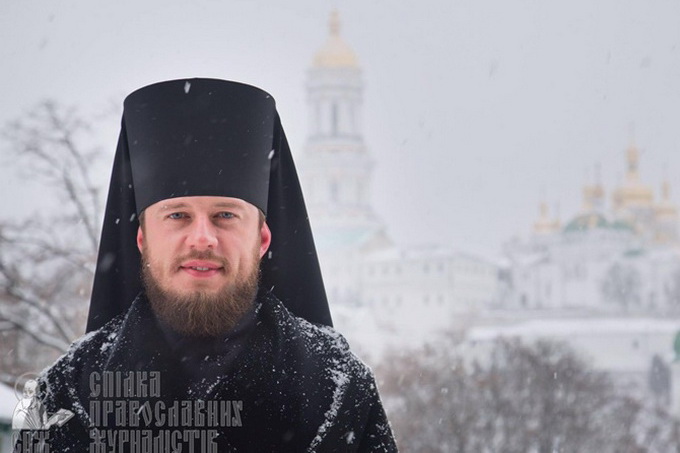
[336, 167]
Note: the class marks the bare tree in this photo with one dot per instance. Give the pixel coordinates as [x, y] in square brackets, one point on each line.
[47, 259]
[538, 398]
[621, 286]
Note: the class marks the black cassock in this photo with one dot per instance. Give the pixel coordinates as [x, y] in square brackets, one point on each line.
[277, 383]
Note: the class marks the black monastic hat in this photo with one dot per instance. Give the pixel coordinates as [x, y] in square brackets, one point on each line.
[194, 137]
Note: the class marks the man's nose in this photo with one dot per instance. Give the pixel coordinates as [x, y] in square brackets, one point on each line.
[202, 234]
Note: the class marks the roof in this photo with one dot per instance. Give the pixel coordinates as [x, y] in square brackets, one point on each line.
[335, 53]
[577, 327]
[342, 238]
[594, 220]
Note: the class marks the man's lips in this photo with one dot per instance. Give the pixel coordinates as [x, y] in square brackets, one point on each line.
[198, 268]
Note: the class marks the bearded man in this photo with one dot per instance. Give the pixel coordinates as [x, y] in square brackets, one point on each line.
[209, 329]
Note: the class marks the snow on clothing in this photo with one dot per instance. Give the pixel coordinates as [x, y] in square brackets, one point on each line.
[292, 386]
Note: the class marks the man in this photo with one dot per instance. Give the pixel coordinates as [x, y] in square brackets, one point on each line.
[209, 328]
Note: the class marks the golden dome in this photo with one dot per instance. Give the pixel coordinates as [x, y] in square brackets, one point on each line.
[666, 218]
[592, 197]
[593, 194]
[633, 193]
[335, 53]
[544, 225]
[666, 209]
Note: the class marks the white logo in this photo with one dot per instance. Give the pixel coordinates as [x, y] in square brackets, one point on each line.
[30, 414]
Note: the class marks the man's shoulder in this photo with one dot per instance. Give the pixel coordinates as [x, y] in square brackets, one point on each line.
[296, 328]
[62, 381]
[90, 346]
[319, 342]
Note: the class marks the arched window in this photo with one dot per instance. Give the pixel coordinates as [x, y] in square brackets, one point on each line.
[334, 119]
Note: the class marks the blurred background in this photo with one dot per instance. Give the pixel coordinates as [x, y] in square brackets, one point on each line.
[492, 186]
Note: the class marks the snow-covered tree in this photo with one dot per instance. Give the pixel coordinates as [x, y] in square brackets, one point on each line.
[537, 398]
[47, 258]
[621, 286]
[672, 292]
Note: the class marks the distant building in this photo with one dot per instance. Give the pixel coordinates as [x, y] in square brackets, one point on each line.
[336, 168]
[433, 279]
[624, 259]
[604, 282]
[361, 265]
[607, 283]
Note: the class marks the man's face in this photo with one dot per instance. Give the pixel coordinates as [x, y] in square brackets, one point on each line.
[201, 260]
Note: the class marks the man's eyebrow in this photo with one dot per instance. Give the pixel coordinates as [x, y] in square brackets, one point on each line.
[228, 204]
[168, 206]
[219, 204]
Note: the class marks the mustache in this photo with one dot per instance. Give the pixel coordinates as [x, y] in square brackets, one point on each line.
[207, 255]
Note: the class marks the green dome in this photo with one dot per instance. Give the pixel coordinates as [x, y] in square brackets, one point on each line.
[592, 221]
[622, 225]
[586, 222]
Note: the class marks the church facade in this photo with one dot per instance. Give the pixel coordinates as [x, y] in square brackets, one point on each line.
[607, 283]
[610, 258]
[604, 282]
[361, 265]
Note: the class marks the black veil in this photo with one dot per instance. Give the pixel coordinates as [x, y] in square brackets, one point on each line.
[195, 137]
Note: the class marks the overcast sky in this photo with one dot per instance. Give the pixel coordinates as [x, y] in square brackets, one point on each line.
[474, 110]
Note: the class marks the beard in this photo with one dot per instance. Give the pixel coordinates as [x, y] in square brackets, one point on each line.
[202, 313]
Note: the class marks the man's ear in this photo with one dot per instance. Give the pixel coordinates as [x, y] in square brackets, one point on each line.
[140, 239]
[265, 238]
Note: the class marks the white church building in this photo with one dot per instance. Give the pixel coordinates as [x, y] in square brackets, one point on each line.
[621, 258]
[607, 282]
[361, 265]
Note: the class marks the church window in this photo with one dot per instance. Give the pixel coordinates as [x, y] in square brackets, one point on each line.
[334, 119]
[352, 119]
[317, 115]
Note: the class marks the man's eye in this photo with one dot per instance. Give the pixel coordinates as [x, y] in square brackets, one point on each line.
[176, 215]
[226, 215]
